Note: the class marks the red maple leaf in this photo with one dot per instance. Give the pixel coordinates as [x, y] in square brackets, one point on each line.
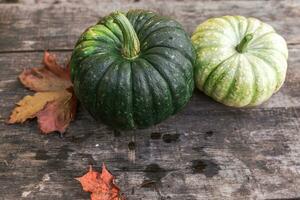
[54, 103]
[101, 186]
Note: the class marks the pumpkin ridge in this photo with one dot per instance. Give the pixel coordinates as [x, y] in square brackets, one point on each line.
[86, 69]
[100, 46]
[270, 49]
[105, 48]
[267, 62]
[167, 83]
[96, 51]
[74, 70]
[141, 12]
[120, 40]
[172, 61]
[133, 14]
[230, 44]
[132, 96]
[113, 46]
[142, 26]
[257, 39]
[222, 76]
[159, 29]
[128, 114]
[105, 32]
[164, 56]
[154, 115]
[254, 86]
[99, 74]
[216, 21]
[236, 33]
[196, 35]
[100, 80]
[239, 27]
[158, 22]
[212, 46]
[231, 86]
[257, 28]
[281, 68]
[146, 88]
[267, 76]
[213, 70]
[173, 48]
[247, 28]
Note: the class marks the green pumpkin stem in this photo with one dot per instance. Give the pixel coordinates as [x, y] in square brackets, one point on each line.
[243, 44]
[131, 43]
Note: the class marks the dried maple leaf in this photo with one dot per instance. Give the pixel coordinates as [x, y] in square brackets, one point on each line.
[54, 104]
[101, 186]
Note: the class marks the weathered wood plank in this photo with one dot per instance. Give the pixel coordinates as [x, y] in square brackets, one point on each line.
[207, 151]
[57, 24]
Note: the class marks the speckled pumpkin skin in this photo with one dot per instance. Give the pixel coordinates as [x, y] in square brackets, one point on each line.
[235, 78]
[139, 92]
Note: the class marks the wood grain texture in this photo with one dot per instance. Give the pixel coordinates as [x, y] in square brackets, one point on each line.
[207, 151]
[57, 24]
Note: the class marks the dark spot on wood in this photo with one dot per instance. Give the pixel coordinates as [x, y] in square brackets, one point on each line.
[198, 166]
[58, 161]
[262, 164]
[207, 167]
[136, 0]
[131, 145]
[155, 135]
[198, 149]
[63, 153]
[244, 191]
[42, 155]
[56, 2]
[148, 184]
[132, 191]
[277, 149]
[124, 168]
[208, 134]
[117, 133]
[170, 138]
[154, 172]
[79, 138]
[248, 178]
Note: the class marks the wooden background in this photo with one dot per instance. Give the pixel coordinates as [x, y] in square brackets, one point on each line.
[207, 151]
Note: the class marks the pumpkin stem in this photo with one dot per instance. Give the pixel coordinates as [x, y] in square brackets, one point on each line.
[131, 43]
[243, 44]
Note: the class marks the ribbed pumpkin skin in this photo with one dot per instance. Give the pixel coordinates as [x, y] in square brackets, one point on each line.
[139, 92]
[234, 78]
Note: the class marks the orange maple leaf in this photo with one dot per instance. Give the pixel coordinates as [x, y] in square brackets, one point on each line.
[54, 103]
[101, 186]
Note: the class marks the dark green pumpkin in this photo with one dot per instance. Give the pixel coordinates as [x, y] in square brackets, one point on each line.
[133, 70]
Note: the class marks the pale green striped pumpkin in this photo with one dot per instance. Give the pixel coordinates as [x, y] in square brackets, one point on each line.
[240, 61]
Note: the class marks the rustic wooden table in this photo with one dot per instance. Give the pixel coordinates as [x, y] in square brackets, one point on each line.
[207, 151]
